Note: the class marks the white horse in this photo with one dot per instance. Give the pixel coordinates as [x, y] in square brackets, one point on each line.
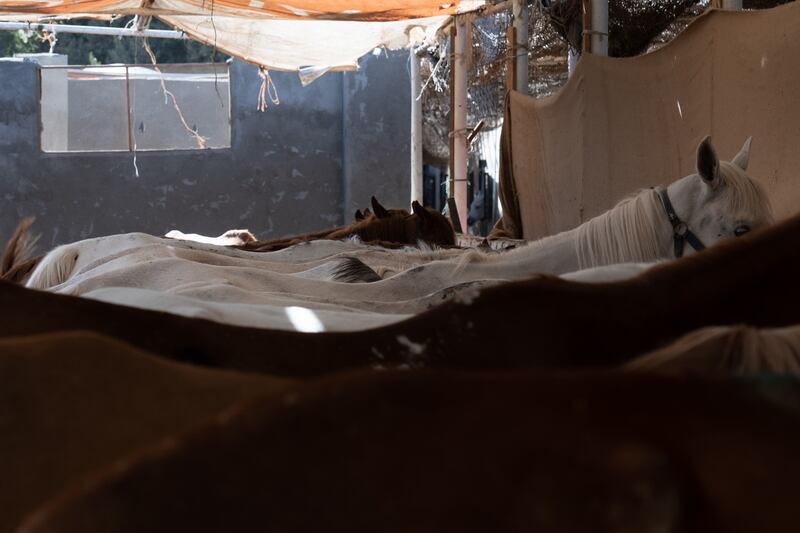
[717, 202]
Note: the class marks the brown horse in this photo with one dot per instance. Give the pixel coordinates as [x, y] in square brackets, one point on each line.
[389, 227]
[431, 452]
[540, 322]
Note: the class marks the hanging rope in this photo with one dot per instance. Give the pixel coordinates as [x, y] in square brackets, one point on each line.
[199, 139]
[267, 88]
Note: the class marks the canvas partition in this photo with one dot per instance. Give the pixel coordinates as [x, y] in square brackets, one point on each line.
[620, 125]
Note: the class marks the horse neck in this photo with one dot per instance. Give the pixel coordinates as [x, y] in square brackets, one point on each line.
[551, 255]
[635, 230]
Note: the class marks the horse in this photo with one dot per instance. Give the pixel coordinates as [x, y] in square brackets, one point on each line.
[736, 349]
[539, 322]
[389, 227]
[116, 401]
[718, 202]
[447, 451]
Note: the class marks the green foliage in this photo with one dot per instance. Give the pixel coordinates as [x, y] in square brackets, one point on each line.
[103, 49]
[12, 42]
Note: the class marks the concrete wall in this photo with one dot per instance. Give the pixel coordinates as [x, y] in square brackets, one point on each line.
[377, 143]
[300, 166]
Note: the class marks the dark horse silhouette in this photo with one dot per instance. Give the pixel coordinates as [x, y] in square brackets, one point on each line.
[421, 451]
[386, 227]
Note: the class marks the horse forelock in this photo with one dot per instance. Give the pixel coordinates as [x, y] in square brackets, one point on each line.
[747, 199]
[631, 231]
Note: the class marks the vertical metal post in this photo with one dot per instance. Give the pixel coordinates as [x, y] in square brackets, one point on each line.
[451, 183]
[586, 22]
[599, 27]
[128, 99]
[511, 64]
[416, 128]
[520, 11]
[459, 132]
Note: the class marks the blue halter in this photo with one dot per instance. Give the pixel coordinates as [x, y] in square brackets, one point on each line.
[681, 234]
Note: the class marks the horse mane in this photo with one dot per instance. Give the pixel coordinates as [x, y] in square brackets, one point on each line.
[730, 349]
[54, 268]
[17, 260]
[628, 232]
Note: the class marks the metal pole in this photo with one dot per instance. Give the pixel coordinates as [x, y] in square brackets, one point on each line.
[416, 128]
[93, 30]
[599, 27]
[460, 121]
[520, 10]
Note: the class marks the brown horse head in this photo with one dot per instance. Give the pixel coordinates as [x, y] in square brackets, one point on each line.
[432, 226]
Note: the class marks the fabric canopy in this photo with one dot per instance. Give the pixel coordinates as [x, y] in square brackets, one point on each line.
[318, 35]
[296, 45]
[620, 125]
[362, 10]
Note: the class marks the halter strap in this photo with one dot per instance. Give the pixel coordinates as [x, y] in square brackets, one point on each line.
[681, 234]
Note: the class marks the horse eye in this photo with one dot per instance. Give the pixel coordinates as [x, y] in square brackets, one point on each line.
[741, 230]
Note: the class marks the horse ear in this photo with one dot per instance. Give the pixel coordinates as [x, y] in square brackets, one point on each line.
[708, 162]
[359, 215]
[743, 157]
[380, 211]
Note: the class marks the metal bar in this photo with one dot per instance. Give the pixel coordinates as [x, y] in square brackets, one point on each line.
[416, 128]
[599, 27]
[128, 99]
[520, 11]
[93, 30]
[586, 19]
[511, 65]
[451, 187]
[460, 121]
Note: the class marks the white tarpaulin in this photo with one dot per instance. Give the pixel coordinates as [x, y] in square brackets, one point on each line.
[315, 35]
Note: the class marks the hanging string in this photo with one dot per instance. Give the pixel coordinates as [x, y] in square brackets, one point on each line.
[199, 139]
[267, 88]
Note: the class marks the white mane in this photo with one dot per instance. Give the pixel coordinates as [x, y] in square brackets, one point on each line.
[632, 231]
[735, 350]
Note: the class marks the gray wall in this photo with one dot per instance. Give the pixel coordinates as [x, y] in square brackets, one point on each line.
[377, 126]
[305, 164]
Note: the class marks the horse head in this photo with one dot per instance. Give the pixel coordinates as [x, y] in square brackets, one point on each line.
[720, 200]
[432, 226]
